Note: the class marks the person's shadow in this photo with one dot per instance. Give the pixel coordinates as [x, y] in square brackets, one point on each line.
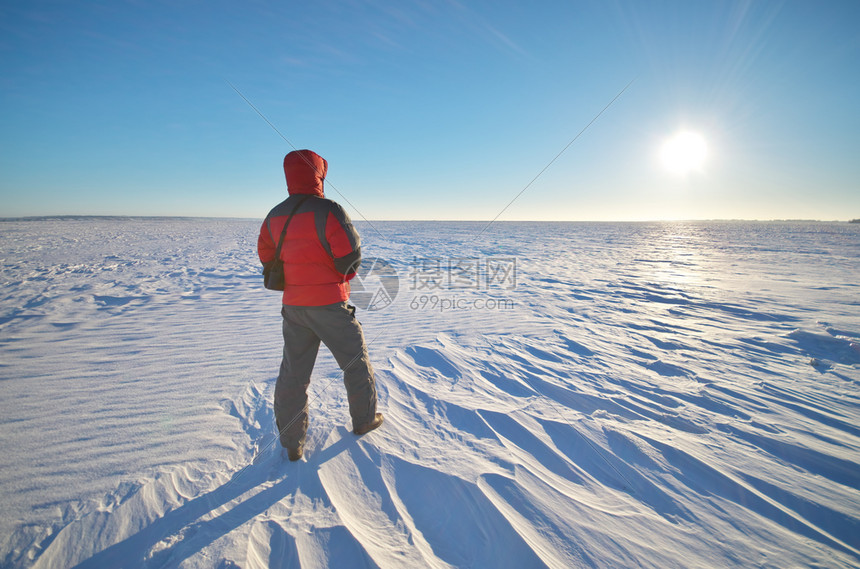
[192, 535]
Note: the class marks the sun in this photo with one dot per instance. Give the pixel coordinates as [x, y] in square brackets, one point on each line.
[684, 152]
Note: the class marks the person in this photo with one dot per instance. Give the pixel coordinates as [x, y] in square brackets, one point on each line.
[321, 252]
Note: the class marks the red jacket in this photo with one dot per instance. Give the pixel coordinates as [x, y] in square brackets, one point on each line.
[321, 250]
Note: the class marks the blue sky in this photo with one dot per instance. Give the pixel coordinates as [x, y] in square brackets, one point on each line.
[431, 110]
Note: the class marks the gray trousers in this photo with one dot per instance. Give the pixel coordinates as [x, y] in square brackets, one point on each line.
[304, 328]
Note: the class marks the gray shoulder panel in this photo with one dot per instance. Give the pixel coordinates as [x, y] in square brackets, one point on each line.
[348, 263]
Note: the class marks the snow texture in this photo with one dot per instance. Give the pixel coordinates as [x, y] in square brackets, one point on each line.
[625, 395]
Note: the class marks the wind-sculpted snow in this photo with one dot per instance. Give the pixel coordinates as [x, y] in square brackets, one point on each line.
[631, 395]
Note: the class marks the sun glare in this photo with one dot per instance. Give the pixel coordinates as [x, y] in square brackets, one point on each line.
[684, 152]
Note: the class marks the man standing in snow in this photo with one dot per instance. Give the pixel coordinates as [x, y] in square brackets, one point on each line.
[321, 252]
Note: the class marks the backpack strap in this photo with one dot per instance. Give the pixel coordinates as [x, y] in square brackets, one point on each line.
[286, 224]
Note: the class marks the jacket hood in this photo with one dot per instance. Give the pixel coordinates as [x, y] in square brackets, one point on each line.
[305, 171]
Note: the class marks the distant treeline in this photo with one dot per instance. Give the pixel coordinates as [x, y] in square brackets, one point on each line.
[854, 221]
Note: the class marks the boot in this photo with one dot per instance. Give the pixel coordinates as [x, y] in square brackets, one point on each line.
[367, 427]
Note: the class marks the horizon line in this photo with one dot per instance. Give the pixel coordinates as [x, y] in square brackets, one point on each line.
[73, 216]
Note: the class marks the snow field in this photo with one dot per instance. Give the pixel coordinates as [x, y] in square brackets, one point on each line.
[659, 395]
